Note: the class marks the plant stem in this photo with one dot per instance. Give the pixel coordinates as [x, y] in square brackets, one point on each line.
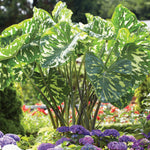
[52, 118]
[95, 115]
[72, 94]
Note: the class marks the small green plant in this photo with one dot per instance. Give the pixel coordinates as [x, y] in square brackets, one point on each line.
[142, 96]
[32, 124]
[44, 49]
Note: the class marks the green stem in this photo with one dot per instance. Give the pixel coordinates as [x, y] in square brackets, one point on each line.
[77, 81]
[52, 118]
[72, 95]
[95, 115]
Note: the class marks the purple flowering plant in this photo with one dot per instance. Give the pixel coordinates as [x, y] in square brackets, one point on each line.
[117, 146]
[7, 139]
[77, 137]
[148, 117]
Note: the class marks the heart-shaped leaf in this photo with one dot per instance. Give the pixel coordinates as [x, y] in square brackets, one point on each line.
[12, 49]
[61, 13]
[56, 85]
[100, 28]
[56, 44]
[124, 18]
[110, 83]
[43, 20]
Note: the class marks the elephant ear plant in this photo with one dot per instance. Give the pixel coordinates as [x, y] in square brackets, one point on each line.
[43, 49]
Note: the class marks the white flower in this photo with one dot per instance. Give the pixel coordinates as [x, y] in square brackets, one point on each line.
[11, 147]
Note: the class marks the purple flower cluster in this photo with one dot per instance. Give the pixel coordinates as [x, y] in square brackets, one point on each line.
[117, 146]
[86, 140]
[144, 142]
[148, 117]
[78, 129]
[111, 132]
[1, 134]
[8, 139]
[96, 132]
[55, 148]
[90, 147]
[14, 136]
[137, 146]
[45, 146]
[147, 136]
[127, 139]
[63, 129]
[62, 140]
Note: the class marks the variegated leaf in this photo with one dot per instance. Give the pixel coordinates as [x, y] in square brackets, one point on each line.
[19, 76]
[100, 28]
[139, 61]
[43, 20]
[56, 85]
[110, 83]
[123, 38]
[56, 44]
[5, 76]
[31, 27]
[89, 17]
[11, 30]
[124, 18]
[29, 52]
[61, 13]
[12, 49]
[9, 34]
[124, 100]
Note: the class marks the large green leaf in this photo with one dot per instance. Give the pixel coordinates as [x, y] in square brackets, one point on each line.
[124, 100]
[89, 17]
[61, 13]
[29, 51]
[5, 76]
[43, 20]
[100, 28]
[139, 59]
[123, 37]
[11, 30]
[55, 85]
[12, 49]
[110, 83]
[124, 18]
[31, 27]
[56, 44]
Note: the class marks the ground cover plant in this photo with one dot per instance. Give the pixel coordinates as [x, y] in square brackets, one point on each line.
[45, 50]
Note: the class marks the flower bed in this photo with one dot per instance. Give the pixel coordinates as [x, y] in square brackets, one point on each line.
[77, 137]
[107, 114]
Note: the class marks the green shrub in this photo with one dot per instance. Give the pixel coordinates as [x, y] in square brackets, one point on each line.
[32, 124]
[10, 111]
[142, 95]
[126, 128]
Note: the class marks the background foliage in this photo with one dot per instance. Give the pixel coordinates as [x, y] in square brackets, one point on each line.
[10, 111]
[12, 12]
